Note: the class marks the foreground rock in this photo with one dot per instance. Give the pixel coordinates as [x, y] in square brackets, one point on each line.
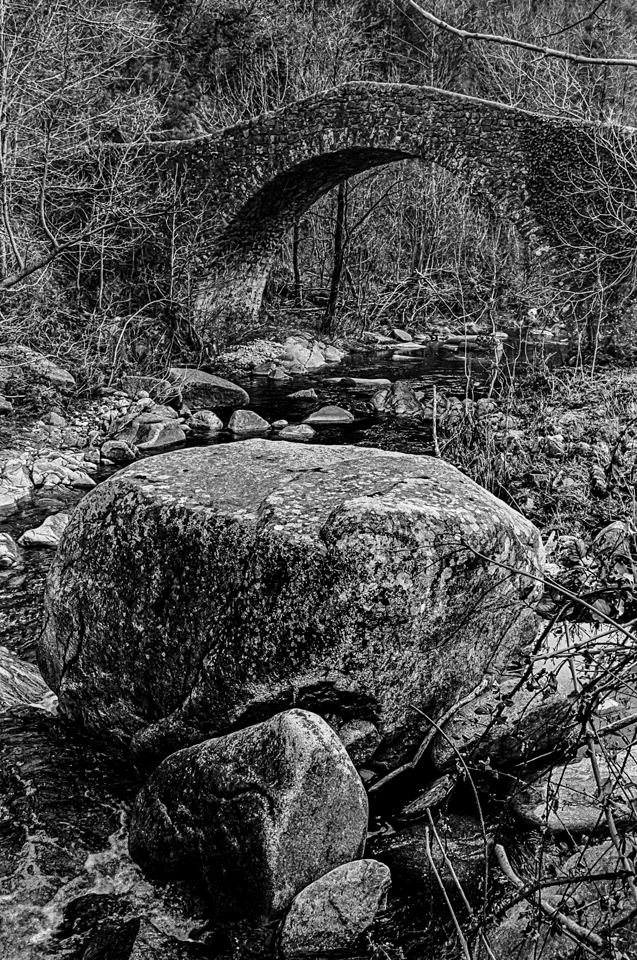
[48, 534]
[568, 798]
[204, 390]
[257, 815]
[330, 915]
[251, 577]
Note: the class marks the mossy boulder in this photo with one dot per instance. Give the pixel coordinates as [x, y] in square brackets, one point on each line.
[201, 591]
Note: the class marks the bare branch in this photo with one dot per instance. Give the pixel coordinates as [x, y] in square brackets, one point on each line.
[522, 44]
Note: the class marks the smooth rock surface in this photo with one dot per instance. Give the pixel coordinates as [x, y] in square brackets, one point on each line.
[158, 436]
[330, 915]
[48, 534]
[213, 587]
[257, 815]
[297, 431]
[9, 553]
[204, 390]
[330, 414]
[567, 797]
[245, 422]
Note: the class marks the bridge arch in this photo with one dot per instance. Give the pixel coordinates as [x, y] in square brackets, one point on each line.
[258, 177]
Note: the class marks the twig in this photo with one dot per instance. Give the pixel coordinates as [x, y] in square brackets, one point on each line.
[411, 764]
[435, 423]
[578, 932]
[456, 922]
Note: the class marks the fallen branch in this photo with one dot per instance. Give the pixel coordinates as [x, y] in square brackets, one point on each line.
[581, 934]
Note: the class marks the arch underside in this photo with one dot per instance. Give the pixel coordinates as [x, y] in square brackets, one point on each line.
[263, 175]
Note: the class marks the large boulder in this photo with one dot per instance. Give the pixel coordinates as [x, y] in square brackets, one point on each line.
[257, 815]
[211, 588]
[201, 390]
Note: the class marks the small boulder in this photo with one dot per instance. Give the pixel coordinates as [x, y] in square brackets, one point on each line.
[119, 451]
[297, 431]
[360, 738]
[330, 414]
[304, 352]
[333, 354]
[9, 554]
[6, 406]
[279, 374]
[205, 422]
[398, 399]
[309, 394]
[401, 335]
[330, 915]
[204, 390]
[159, 436]
[54, 419]
[279, 424]
[246, 422]
[566, 798]
[257, 815]
[21, 683]
[264, 369]
[48, 534]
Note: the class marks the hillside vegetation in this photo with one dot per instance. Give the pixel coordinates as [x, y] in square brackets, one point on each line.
[95, 266]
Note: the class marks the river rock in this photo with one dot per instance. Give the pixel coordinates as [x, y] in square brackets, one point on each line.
[119, 451]
[158, 436]
[330, 414]
[361, 739]
[398, 399]
[330, 915]
[21, 683]
[257, 815]
[9, 553]
[48, 534]
[368, 605]
[204, 390]
[401, 335]
[304, 352]
[507, 726]
[245, 422]
[297, 431]
[6, 406]
[309, 394]
[566, 798]
[205, 422]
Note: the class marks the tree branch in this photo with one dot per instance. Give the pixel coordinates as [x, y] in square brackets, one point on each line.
[522, 44]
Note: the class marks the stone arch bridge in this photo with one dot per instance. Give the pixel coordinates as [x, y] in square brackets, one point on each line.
[569, 186]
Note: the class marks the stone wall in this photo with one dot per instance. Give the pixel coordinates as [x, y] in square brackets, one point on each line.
[564, 183]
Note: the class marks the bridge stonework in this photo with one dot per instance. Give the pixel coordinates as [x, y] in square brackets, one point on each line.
[563, 185]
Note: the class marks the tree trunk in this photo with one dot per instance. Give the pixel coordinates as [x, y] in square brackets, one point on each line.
[339, 257]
